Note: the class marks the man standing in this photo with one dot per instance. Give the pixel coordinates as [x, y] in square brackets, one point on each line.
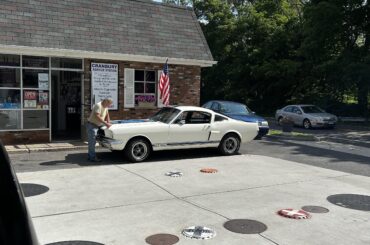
[99, 117]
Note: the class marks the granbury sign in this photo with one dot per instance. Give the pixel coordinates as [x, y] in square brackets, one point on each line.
[104, 83]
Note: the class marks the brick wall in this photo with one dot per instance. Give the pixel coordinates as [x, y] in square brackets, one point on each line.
[24, 137]
[184, 80]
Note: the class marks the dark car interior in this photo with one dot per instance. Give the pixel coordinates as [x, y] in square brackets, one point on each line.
[16, 226]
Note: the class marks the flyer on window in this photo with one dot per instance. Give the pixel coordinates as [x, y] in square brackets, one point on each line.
[43, 98]
[43, 81]
[30, 104]
[30, 95]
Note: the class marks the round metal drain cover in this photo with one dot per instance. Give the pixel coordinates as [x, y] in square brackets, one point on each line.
[74, 243]
[294, 213]
[162, 239]
[33, 189]
[352, 201]
[199, 232]
[315, 209]
[174, 174]
[245, 226]
[209, 170]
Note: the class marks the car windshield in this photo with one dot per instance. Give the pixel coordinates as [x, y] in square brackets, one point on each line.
[312, 109]
[234, 108]
[165, 115]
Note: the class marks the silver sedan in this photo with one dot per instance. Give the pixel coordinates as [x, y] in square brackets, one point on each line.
[308, 116]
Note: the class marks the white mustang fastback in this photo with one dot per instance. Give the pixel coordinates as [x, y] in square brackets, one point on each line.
[178, 127]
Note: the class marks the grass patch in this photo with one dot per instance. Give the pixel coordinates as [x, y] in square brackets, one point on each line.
[275, 132]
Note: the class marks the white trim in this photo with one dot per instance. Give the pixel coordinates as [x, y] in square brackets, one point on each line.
[70, 53]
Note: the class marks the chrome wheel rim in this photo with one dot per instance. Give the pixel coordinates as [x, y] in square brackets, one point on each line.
[230, 145]
[306, 124]
[139, 150]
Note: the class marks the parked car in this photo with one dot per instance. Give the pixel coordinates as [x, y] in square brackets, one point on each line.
[308, 116]
[180, 127]
[240, 112]
[16, 226]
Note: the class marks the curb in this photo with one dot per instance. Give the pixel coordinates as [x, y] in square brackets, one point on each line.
[47, 149]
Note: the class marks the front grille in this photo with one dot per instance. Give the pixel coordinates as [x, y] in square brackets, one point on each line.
[100, 133]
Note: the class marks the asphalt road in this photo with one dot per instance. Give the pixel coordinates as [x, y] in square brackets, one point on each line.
[336, 156]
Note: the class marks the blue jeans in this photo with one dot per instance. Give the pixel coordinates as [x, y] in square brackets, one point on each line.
[91, 134]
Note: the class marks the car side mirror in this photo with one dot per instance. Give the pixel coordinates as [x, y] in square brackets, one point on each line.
[181, 122]
[253, 112]
[299, 112]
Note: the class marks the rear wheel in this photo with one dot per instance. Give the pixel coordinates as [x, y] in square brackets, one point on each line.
[280, 121]
[138, 150]
[306, 124]
[229, 145]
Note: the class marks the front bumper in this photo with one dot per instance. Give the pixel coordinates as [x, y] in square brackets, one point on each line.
[262, 132]
[323, 124]
[112, 144]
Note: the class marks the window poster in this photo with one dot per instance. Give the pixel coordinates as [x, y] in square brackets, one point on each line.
[43, 98]
[104, 83]
[43, 80]
[30, 99]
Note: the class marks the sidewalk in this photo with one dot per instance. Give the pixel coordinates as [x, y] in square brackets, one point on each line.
[55, 146]
[119, 204]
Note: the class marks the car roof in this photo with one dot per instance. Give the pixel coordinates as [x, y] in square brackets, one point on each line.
[224, 101]
[299, 105]
[193, 108]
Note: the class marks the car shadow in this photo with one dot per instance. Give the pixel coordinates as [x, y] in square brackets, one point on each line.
[115, 157]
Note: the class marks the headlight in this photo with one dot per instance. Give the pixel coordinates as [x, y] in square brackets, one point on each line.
[263, 123]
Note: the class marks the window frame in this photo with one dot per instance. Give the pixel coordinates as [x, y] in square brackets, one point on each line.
[154, 104]
[21, 88]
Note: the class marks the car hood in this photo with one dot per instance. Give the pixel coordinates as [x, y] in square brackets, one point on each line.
[323, 114]
[246, 118]
[133, 123]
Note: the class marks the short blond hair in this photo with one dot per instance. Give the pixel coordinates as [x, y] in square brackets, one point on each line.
[108, 100]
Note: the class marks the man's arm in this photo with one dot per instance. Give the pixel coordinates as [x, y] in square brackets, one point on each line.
[102, 120]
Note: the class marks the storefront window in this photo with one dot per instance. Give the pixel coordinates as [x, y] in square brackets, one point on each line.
[10, 99]
[9, 60]
[9, 77]
[35, 61]
[35, 119]
[36, 79]
[145, 88]
[10, 119]
[66, 63]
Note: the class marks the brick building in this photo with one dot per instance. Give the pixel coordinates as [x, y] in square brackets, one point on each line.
[58, 57]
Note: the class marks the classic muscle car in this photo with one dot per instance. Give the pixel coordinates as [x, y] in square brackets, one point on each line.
[178, 127]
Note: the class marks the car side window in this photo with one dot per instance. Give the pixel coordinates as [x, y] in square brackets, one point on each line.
[207, 105]
[198, 117]
[220, 118]
[295, 109]
[288, 109]
[215, 106]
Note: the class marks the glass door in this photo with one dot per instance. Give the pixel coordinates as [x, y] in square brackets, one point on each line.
[66, 105]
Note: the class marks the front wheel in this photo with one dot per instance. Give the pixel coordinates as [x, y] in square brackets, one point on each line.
[229, 145]
[137, 150]
[306, 124]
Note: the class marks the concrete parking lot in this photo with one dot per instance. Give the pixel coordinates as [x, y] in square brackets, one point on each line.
[120, 203]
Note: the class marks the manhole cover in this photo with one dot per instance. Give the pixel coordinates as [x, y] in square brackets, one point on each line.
[208, 170]
[33, 189]
[294, 213]
[199, 232]
[74, 243]
[162, 239]
[174, 174]
[353, 201]
[315, 209]
[245, 226]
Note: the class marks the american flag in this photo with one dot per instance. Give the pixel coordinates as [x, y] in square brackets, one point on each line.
[164, 85]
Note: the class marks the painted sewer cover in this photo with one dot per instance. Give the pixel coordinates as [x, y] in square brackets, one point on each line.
[352, 201]
[245, 226]
[294, 213]
[315, 209]
[162, 239]
[33, 189]
[174, 174]
[209, 170]
[199, 232]
[75, 243]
